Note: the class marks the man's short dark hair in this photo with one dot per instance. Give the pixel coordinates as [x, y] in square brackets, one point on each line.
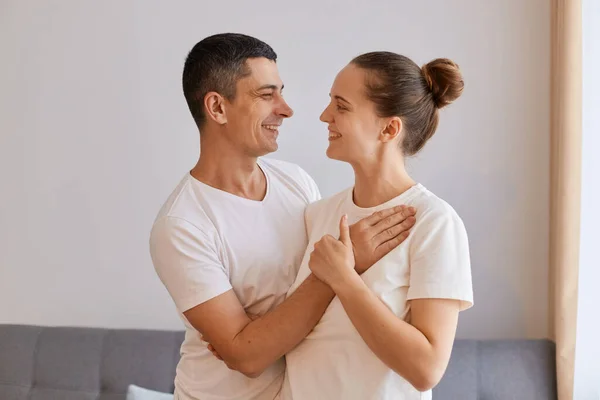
[215, 64]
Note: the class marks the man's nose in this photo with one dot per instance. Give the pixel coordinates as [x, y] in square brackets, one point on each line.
[284, 109]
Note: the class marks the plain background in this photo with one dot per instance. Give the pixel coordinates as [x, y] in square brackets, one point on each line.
[95, 133]
[587, 349]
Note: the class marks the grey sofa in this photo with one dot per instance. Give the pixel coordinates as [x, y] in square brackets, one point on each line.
[49, 363]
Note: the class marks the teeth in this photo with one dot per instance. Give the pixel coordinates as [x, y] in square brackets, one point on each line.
[271, 127]
[334, 136]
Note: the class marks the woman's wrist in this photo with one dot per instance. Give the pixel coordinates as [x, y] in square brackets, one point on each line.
[348, 281]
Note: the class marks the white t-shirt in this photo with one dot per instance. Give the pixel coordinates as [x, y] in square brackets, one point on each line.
[205, 242]
[333, 362]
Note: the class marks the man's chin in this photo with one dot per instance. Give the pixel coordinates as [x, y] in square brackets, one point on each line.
[272, 148]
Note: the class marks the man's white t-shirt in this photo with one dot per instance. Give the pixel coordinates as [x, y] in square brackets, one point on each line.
[206, 241]
[333, 362]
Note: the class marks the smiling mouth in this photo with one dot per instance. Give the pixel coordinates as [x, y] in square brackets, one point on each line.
[273, 128]
[334, 135]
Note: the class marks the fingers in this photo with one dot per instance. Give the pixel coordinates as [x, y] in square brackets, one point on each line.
[390, 245]
[315, 257]
[394, 230]
[324, 240]
[379, 215]
[212, 350]
[345, 231]
[393, 220]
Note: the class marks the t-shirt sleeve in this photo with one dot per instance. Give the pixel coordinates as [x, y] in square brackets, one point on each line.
[440, 264]
[187, 262]
[311, 186]
[309, 217]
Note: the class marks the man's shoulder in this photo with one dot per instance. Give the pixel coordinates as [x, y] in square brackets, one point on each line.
[293, 177]
[183, 210]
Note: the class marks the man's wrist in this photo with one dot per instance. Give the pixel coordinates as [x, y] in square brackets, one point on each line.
[312, 278]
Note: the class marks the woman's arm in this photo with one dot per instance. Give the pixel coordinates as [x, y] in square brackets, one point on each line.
[250, 345]
[418, 351]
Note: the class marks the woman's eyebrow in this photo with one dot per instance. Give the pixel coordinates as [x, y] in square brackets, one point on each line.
[341, 98]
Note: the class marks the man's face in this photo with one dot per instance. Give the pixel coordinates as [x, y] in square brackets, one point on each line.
[254, 116]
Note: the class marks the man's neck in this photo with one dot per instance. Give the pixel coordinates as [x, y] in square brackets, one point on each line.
[231, 172]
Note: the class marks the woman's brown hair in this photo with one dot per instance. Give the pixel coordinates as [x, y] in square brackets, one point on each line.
[398, 87]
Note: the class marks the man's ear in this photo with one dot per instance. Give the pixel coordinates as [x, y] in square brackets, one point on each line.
[392, 129]
[214, 105]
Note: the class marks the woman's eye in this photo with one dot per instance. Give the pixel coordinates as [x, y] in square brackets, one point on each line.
[340, 108]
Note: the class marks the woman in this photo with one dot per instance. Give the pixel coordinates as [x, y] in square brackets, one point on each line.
[388, 334]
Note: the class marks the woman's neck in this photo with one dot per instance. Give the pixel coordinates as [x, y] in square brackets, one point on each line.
[377, 183]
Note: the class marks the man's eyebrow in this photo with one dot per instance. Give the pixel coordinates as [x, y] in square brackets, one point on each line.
[270, 86]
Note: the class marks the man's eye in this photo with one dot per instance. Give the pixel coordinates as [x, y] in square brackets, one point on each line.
[267, 95]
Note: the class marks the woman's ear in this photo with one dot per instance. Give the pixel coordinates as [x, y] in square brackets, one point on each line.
[392, 129]
[214, 104]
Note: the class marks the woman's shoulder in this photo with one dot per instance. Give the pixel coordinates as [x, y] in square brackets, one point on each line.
[329, 203]
[431, 206]
[326, 208]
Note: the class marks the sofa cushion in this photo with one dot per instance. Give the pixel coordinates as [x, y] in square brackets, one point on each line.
[87, 363]
[500, 370]
[84, 363]
[138, 393]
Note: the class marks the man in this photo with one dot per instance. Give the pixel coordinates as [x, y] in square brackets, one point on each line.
[229, 240]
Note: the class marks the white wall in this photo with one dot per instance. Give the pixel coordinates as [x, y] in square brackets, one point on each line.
[95, 134]
[587, 349]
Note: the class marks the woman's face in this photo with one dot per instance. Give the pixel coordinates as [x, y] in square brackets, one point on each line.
[355, 129]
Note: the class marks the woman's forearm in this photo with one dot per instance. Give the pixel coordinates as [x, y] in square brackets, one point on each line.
[401, 346]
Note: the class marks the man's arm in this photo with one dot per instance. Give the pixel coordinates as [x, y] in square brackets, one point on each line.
[250, 346]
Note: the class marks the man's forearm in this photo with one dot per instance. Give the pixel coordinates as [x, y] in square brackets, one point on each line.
[266, 339]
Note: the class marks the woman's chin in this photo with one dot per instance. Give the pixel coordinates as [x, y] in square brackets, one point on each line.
[334, 154]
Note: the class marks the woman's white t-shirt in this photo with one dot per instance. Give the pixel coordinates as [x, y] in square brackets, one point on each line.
[333, 362]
